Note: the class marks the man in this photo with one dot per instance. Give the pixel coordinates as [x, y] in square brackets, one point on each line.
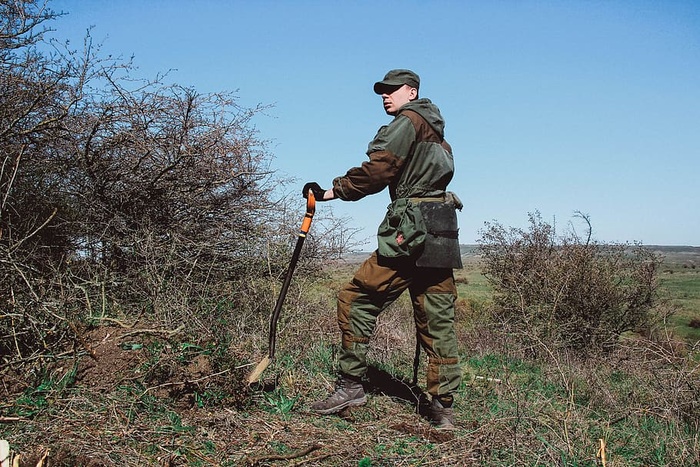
[418, 246]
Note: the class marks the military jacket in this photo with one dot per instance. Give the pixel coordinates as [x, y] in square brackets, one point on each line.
[409, 155]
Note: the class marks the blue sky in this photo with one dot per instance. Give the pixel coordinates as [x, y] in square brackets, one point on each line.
[551, 106]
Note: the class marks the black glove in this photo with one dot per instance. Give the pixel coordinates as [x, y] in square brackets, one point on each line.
[315, 189]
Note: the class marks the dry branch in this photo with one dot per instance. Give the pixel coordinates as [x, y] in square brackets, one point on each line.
[82, 340]
[182, 383]
[10, 419]
[164, 332]
[284, 457]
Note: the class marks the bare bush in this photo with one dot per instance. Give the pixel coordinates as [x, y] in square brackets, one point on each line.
[668, 368]
[565, 290]
[122, 197]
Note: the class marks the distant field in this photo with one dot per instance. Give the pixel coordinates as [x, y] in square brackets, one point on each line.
[680, 284]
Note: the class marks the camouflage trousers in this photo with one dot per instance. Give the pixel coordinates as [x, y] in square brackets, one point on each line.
[376, 285]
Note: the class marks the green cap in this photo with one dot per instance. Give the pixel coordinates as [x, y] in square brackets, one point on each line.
[396, 78]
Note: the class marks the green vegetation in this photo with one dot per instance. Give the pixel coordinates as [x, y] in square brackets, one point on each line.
[681, 284]
[516, 406]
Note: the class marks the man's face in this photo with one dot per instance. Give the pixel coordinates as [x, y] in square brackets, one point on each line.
[394, 99]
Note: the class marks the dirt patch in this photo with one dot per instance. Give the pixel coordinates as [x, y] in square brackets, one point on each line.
[115, 357]
[146, 360]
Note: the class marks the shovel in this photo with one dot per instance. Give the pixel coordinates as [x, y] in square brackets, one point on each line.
[254, 376]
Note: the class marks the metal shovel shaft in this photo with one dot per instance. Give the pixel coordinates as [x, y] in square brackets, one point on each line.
[282, 295]
[305, 226]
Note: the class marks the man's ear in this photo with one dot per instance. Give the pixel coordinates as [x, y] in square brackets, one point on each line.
[413, 94]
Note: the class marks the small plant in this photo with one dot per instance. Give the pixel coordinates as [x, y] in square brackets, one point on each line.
[278, 402]
[34, 400]
[176, 425]
[208, 398]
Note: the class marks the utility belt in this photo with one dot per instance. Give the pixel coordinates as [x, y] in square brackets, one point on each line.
[424, 229]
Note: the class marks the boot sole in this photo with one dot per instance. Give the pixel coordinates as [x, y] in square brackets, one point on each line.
[344, 405]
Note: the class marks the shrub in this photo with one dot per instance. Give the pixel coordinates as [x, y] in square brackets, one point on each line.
[564, 291]
[122, 196]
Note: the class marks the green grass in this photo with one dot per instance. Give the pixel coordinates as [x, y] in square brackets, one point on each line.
[471, 283]
[682, 287]
[551, 410]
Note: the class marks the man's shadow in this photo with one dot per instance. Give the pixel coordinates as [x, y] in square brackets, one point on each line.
[401, 390]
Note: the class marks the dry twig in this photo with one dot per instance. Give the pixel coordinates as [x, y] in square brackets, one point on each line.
[82, 340]
[283, 457]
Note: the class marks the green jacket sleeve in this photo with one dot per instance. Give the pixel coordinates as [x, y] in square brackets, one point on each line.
[387, 154]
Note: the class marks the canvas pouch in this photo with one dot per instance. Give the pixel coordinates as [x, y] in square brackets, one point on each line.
[402, 232]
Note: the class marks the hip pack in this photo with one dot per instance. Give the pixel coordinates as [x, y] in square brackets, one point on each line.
[424, 229]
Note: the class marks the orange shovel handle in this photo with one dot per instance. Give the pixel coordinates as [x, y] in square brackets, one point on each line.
[310, 210]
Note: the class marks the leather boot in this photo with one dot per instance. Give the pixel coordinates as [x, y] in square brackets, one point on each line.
[348, 393]
[442, 418]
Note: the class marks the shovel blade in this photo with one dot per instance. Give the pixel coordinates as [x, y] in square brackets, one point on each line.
[254, 375]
